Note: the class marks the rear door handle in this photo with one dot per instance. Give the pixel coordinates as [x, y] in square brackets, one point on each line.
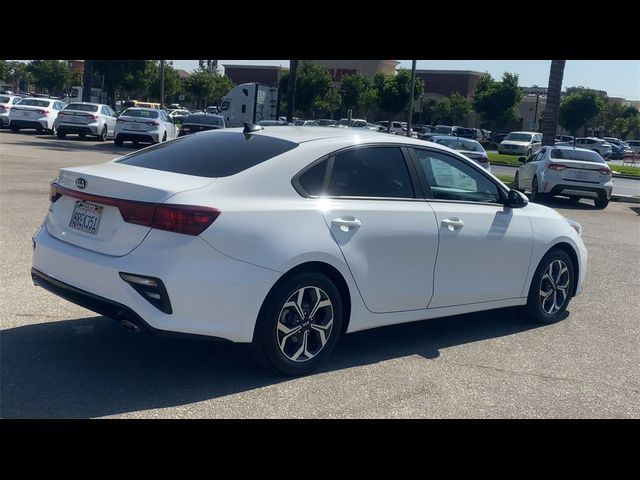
[346, 224]
[453, 224]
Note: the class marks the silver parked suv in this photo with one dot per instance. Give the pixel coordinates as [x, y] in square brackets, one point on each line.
[87, 119]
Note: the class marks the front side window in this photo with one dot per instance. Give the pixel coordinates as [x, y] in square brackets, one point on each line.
[370, 172]
[450, 178]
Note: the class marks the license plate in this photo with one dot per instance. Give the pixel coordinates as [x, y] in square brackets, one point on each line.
[76, 119]
[581, 175]
[135, 126]
[86, 217]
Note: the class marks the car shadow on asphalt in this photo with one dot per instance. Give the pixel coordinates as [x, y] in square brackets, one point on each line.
[82, 144]
[92, 367]
[567, 204]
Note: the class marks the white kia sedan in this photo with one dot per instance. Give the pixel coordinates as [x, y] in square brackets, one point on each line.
[286, 238]
[573, 172]
[147, 125]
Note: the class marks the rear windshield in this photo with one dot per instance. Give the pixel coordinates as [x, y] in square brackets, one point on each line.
[215, 154]
[32, 102]
[582, 155]
[82, 107]
[458, 144]
[443, 130]
[140, 113]
[5, 99]
[519, 137]
[205, 119]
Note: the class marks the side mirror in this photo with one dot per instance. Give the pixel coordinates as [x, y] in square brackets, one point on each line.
[516, 199]
[522, 159]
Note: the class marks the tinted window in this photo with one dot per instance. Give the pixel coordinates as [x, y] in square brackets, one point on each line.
[370, 172]
[32, 102]
[4, 99]
[244, 108]
[582, 155]
[452, 179]
[205, 119]
[312, 180]
[82, 107]
[216, 154]
[140, 113]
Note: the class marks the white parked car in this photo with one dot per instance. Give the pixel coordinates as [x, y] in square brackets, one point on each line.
[591, 143]
[6, 102]
[521, 143]
[86, 119]
[147, 125]
[35, 113]
[286, 238]
[469, 148]
[562, 170]
[634, 145]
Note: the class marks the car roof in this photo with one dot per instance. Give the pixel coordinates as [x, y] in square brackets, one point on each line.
[88, 103]
[568, 147]
[528, 133]
[145, 108]
[357, 135]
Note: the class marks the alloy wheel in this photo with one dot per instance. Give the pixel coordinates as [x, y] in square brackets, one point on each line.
[305, 324]
[554, 287]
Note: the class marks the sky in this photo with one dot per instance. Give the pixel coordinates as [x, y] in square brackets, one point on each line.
[619, 78]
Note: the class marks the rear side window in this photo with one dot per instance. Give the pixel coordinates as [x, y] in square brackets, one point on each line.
[312, 180]
[214, 154]
[370, 172]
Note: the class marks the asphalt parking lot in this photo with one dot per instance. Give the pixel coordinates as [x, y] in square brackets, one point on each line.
[58, 360]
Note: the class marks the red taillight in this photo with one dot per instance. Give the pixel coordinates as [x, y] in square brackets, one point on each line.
[92, 116]
[2, 107]
[155, 124]
[187, 219]
[557, 166]
[43, 112]
[120, 120]
[605, 171]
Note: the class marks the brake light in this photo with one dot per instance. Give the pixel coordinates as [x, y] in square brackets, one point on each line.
[43, 112]
[605, 171]
[155, 124]
[186, 219]
[557, 166]
[92, 116]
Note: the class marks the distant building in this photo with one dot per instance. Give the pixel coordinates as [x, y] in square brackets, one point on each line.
[369, 68]
[265, 74]
[442, 83]
[76, 66]
[183, 74]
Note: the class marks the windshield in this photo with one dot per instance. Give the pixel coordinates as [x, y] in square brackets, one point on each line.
[459, 144]
[582, 155]
[81, 107]
[32, 102]
[140, 113]
[519, 137]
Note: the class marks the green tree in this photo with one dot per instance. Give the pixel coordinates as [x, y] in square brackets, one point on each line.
[443, 111]
[429, 110]
[49, 75]
[358, 94]
[550, 116]
[19, 76]
[4, 69]
[497, 102]
[314, 89]
[459, 107]
[172, 81]
[393, 91]
[207, 88]
[121, 77]
[579, 108]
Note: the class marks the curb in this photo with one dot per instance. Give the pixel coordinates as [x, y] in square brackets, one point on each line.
[615, 175]
[624, 198]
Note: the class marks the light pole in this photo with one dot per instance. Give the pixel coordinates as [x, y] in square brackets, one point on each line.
[161, 83]
[413, 85]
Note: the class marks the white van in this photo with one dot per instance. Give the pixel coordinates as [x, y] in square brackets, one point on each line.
[249, 103]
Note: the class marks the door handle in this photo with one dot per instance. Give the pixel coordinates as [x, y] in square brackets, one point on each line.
[346, 224]
[453, 224]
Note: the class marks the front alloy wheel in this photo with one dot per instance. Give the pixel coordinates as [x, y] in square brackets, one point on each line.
[551, 287]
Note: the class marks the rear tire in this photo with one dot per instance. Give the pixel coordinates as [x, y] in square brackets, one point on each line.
[516, 182]
[290, 337]
[164, 137]
[552, 283]
[103, 136]
[601, 203]
[536, 196]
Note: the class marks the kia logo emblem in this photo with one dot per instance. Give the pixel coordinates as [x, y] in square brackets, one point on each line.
[81, 183]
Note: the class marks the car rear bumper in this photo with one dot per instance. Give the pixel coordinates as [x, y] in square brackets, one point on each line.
[76, 128]
[36, 124]
[150, 137]
[210, 294]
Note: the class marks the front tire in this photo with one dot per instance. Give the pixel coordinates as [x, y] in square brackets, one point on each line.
[299, 324]
[601, 203]
[103, 136]
[551, 288]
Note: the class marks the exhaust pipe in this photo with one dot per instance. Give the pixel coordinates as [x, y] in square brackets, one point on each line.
[132, 327]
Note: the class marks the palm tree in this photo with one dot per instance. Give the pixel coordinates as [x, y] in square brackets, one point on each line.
[550, 119]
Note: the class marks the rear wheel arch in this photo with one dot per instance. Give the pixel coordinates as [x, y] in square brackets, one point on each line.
[327, 270]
